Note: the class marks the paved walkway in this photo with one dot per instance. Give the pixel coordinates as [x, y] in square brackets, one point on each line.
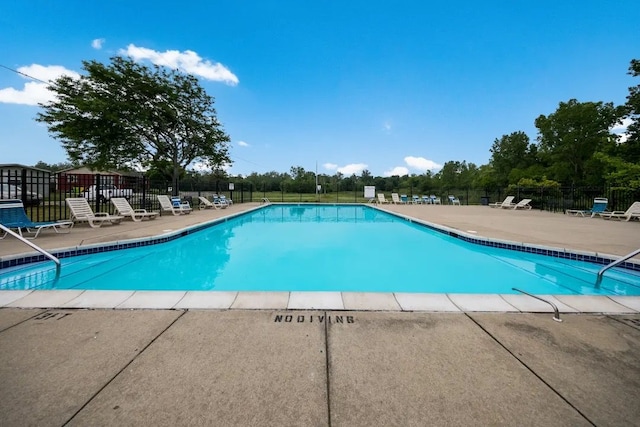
[284, 366]
[316, 368]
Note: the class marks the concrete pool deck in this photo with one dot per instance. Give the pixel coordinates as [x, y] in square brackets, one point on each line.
[323, 367]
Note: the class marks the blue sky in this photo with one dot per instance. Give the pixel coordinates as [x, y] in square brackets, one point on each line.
[392, 87]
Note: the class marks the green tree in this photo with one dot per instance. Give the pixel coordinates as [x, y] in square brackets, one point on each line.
[571, 135]
[630, 149]
[126, 114]
[513, 151]
[54, 167]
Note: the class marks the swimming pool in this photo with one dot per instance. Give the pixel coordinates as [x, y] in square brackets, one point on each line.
[350, 248]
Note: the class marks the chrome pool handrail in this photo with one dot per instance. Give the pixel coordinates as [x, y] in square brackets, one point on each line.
[34, 246]
[614, 263]
[556, 315]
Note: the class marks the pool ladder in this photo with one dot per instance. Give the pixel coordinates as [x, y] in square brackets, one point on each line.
[614, 263]
[34, 246]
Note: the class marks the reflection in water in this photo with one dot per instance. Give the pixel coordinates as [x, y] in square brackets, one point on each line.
[192, 262]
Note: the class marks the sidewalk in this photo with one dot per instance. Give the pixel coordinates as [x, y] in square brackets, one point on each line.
[316, 368]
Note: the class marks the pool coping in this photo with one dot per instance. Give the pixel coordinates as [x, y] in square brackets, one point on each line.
[309, 300]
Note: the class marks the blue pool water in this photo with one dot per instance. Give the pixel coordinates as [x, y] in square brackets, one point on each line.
[322, 248]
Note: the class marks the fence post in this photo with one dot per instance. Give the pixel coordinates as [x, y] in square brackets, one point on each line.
[144, 194]
[23, 186]
[98, 191]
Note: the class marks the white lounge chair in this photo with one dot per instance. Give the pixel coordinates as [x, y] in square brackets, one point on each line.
[395, 198]
[207, 204]
[13, 216]
[415, 199]
[82, 212]
[167, 205]
[599, 205]
[628, 215]
[522, 204]
[506, 203]
[124, 209]
[435, 200]
[453, 200]
[381, 198]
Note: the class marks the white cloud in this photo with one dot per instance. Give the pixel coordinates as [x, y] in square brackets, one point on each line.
[398, 170]
[352, 168]
[421, 164]
[621, 130]
[187, 61]
[97, 43]
[330, 166]
[35, 92]
[243, 144]
[621, 127]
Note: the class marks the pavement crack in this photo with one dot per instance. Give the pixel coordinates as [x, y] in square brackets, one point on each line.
[123, 368]
[328, 367]
[531, 370]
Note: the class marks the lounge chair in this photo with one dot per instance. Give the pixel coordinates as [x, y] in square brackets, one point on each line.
[404, 199]
[223, 200]
[599, 205]
[629, 214]
[381, 198]
[522, 204]
[415, 200]
[207, 204]
[434, 199]
[81, 212]
[426, 200]
[506, 203]
[395, 198]
[453, 200]
[124, 209]
[13, 216]
[167, 205]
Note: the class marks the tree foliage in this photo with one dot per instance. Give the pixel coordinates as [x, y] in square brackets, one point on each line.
[511, 152]
[126, 113]
[630, 149]
[571, 135]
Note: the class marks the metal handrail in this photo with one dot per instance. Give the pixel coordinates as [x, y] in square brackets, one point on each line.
[34, 246]
[614, 263]
[556, 315]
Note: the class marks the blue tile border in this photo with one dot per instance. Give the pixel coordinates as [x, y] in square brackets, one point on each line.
[513, 246]
[109, 247]
[521, 247]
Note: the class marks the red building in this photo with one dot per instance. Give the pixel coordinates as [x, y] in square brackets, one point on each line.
[80, 178]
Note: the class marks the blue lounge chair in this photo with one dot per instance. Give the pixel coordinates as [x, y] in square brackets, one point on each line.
[599, 206]
[13, 216]
[403, 199]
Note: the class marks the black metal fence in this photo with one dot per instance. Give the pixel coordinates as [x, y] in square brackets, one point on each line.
[43, 193]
